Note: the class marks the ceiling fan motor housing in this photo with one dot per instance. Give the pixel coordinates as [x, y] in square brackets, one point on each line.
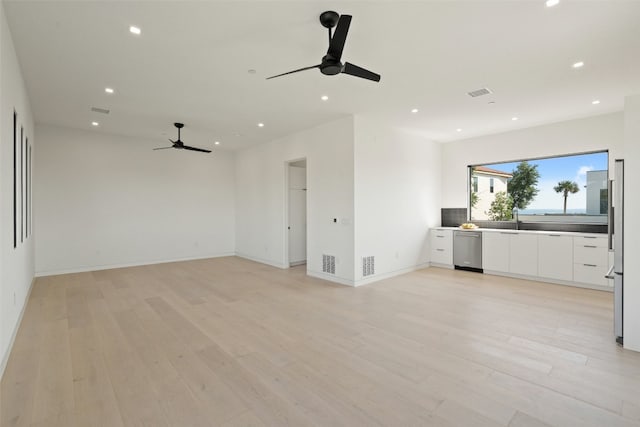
[330, 66]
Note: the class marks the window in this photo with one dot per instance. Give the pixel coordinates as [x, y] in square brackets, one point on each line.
[567, 189]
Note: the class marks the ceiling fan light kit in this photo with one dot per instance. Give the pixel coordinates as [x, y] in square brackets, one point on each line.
[332, 62]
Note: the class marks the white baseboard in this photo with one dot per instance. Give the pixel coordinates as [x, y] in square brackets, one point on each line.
[297, 263]
[14, 334]
[124, 265]
[330, 278]
[438, 265]
[546, 280]
[390, 274]
[262, 260]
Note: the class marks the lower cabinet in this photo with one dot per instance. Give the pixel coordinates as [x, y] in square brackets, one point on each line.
[495, 251]
[590, 260]
[590, 274]
[581, 259]
[510, 252]
[523, 253]
[441, 246]
[555, 256]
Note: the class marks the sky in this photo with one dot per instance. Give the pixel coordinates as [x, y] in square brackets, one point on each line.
[556, 169]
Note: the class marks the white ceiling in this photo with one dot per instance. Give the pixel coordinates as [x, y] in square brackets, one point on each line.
[191, 64]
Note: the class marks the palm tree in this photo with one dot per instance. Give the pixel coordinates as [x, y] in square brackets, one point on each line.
[566, 187]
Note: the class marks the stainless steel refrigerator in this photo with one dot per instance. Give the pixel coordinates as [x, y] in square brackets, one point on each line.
[616, 242]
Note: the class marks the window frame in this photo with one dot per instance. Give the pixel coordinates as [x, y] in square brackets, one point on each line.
[470, 186]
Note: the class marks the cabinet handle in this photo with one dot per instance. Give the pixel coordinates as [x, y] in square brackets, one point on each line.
[440, 250]
[590, 265]
[504, 232]
[590, 246]
[437, 235]
[589, 237]
[554, 235]
[609, 274]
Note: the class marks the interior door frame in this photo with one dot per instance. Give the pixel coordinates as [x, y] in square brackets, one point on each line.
[285, 225]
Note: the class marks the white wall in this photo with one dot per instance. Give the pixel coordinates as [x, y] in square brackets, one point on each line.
[16, 265]
[397, 197]
[574, 136]
[261, 190]
[106, 201]
[631, 233]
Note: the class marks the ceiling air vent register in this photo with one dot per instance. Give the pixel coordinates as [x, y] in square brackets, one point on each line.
[479, 92]
[100, 110]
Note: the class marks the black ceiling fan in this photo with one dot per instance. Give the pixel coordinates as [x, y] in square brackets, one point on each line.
[180, 145]
[331, 64]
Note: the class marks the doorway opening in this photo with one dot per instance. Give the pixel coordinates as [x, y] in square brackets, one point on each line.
[296, 227]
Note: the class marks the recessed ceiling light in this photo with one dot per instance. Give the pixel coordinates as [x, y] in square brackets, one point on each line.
[514, 118]
[578, 64]
[458, 130]
[260, 125]
[324, 97]
[551, 3]
[217, 143]
[108, 90]
[95, 123]
[135, 30]
[415, 110]
[595, 102]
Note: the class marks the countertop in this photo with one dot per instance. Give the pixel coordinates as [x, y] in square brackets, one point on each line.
[511, 231]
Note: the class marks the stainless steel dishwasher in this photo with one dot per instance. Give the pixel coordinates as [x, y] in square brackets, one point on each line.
[467, 250]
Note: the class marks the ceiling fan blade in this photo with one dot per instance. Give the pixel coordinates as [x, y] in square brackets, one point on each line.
[339, 37]
[162, 148]
[186, 147]
[354, 70]
[294, 71]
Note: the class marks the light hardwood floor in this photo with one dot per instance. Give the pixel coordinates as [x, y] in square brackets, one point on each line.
[229, 342]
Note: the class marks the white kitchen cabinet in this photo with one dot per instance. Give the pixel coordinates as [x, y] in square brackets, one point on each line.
[590, 260]
[555, 256]
[591, 274]
[441, 246]
[558, 257]
[523, 254]
[495, 251]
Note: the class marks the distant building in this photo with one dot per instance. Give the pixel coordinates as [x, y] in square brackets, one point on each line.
[597, 197]
[486, 182]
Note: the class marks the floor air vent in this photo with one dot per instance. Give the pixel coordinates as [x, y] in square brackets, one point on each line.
[329, 264]
[368, 266]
